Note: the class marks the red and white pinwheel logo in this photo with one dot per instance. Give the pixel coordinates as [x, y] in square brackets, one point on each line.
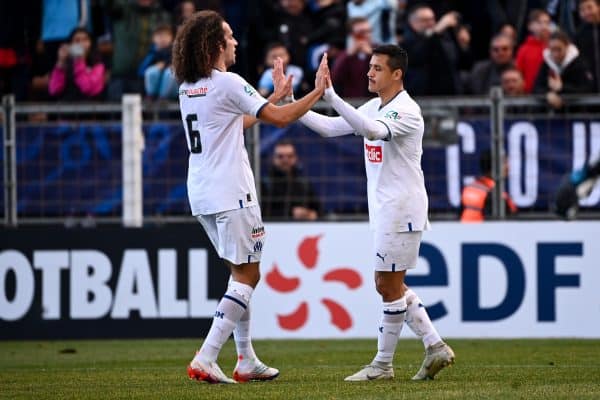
[308, 253]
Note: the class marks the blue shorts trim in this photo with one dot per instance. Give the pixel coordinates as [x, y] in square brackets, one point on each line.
[394, 312]
[226, 296]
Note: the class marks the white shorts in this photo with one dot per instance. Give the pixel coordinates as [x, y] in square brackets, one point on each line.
[237, 235]
[396, 251]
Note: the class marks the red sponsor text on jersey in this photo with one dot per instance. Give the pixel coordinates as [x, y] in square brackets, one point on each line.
[196, 92]
[374, 153]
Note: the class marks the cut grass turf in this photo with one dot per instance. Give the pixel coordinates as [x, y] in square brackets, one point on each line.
[310, 369]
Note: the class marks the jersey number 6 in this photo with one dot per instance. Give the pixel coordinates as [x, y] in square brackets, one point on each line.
[195, 144]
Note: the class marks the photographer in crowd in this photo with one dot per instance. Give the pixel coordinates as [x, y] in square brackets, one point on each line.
[79, 73]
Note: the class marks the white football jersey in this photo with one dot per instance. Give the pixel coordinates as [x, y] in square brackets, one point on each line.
[395, 184]
[219, 173]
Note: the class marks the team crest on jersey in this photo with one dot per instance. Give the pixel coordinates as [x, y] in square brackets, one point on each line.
[194, 92]
[258, 232]
[374, 153]
[249, 90]
[393, 115]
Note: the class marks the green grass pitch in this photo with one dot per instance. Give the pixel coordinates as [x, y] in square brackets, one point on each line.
[310, 369]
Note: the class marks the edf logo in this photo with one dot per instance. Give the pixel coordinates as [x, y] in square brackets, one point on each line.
[472, 273]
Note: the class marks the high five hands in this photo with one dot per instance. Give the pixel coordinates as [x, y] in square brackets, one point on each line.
[323, 78]
[282, 85]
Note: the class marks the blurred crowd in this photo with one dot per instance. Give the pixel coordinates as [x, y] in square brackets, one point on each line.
[75, 50]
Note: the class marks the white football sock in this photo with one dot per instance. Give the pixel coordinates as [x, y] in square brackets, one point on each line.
[418, 320]
[243, 342]
[229, 311]
[389, 331]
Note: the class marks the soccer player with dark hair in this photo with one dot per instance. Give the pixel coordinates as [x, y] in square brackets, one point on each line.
[216, 106]
[392, 126]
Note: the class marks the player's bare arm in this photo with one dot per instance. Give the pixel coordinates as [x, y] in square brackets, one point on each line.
[282, 89]
[286, 114]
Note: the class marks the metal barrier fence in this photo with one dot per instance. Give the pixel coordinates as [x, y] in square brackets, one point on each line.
[70, 164]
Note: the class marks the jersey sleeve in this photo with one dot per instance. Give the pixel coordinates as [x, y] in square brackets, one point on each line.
[326, 126]
[243, 96]
[362, 124]
[402, 123]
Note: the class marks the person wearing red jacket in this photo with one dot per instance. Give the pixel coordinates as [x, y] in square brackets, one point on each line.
[530, 54]
[78, 74]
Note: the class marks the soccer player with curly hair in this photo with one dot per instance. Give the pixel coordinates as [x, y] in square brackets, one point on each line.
[216, 106]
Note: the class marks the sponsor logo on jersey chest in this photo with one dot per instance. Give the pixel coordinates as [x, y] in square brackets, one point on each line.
[374, 153]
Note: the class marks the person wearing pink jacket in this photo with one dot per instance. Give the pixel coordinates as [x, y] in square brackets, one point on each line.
[78, 74]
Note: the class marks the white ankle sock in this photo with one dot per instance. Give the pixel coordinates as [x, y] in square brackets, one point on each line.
[389, 331]
[243, 342]
[229, 311]
[418, 320]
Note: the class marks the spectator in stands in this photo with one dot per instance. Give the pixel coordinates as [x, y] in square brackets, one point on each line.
[587, 39]
[16, 26]
[285, 192]
[476, 199]
[381, 15]
[133, 24]
[439, 7]
[436, 50]
[351, 66]
[59, 19]
[274, 51]
[515, 13]
[328, 33]
[329, 18]
[512, 82]
[563, 13]
[486, 73]
[530, 54]
[184, 10]
[470, 16]
[79, 74]
[159, 82]
[564, 71]
[293, 26]
[510, 31]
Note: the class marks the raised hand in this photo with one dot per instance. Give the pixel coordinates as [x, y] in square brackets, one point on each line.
[282, 85]
[63, 54]
[449, 20]
[322, 78]
[555, 82]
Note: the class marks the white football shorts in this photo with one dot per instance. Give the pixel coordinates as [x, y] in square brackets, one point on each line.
[396, 251]
[238, 235]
